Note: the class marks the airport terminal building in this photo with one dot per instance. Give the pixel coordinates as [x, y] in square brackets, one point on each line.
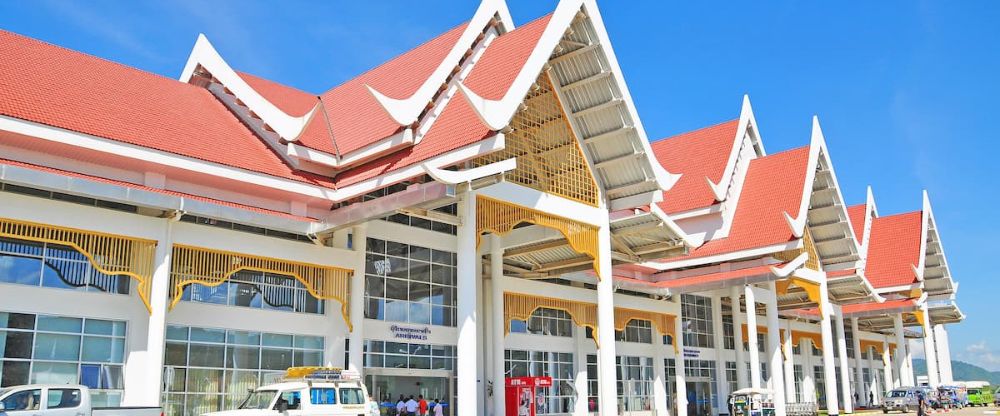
[486, 205]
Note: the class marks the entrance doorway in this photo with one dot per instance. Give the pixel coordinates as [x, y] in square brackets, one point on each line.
[386, 384]
[699, 397]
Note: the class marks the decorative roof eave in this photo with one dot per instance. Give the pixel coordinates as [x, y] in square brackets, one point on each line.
[747, 125]
[929, 231]
[204, 54]
[399, 140]
[675, 230]
[406, 111]
[947, 313]
[497, 114]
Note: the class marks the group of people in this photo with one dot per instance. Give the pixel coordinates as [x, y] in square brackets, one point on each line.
[418, 406]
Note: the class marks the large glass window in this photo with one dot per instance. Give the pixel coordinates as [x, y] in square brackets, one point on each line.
[259, 290]
[544, 321]
[59, 350]
[799, 378]
[635, 383]
[387, 354]
[636, 330]
[849, 338]
[54, 265]
[697, 315]
[561, 397]
[820, 382]
[593, 387]
[408, 283]
[728, 338]
[207, 370]
[731, 376]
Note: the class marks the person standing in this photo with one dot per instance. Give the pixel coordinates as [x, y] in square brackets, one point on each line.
[373, 408]
[438, 408]
[422, 405]
[401, 406]
[411, 407]
[871, 399]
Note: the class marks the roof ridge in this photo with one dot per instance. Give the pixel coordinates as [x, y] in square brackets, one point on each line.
[394, 57]
[244, 73]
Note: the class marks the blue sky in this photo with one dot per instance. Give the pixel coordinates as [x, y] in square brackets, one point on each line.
[906, 91]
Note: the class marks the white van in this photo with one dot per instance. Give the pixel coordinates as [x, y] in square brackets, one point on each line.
[307, 391]
[60, 400]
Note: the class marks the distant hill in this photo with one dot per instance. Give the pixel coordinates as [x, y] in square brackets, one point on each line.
[961, 371]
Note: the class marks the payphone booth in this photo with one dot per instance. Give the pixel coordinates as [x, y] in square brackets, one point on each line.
[524, 395]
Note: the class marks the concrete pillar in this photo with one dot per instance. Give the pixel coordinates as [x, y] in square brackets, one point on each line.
[889, 382]
[718, 338]
[845, 370]
[829, 368]
[144, 367]
[859, 381]
[359, 242]
[929, 353]
[581, 407]
[467, 364]
[774, 352]
[659, 375]
[902, 379]
[943, 354]
[789, 364]
[497, 325]
[607, 367]
[808, 376]
[751, 305]
[680, 381]
[742, 380]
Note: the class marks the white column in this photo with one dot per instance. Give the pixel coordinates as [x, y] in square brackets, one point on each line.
[789, 363]
[607, 368]
[859, 380]
[900, 364]
[497, 327]
[742, 380]
[718, 338]
[359, 243]
[581, 407]
[774, 351]
[659, 375]
[829, 368]
[808, 376]
[753, 352]
[680, 380]
[467, 365]
[929, 353]
[890, 382]
[943, 353]
[845, 368]
[144, 368]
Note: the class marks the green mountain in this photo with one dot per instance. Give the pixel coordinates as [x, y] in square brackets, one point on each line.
[961, 371]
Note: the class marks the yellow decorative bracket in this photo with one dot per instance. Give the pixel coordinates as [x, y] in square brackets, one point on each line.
[519, 306]
[107, 253]
[665, 323]
[919, 316]
[207, 267]
[811, 288]
[499, 217]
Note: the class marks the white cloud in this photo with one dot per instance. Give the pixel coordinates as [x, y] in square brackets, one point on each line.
[981, 354]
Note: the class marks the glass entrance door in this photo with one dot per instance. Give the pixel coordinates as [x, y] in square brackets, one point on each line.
[386, 388]
[699, 397]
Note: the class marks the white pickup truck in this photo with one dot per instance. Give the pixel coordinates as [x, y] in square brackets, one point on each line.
[307, 391]
[60, 400]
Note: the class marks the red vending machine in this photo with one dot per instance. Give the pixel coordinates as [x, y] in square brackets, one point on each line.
[524, 395]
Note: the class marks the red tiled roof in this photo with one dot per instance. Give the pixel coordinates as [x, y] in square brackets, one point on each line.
[356, 118]
[695, 155]
[503, 59]
[708, 278]
[50, 85]
[893, 249]
[156, 190]
[292, 101]
[856, 214]
[449, 132]
[774, 185]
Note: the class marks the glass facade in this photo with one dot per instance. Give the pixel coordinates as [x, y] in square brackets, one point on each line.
[44, 349]
[635, 383]
[53, 265]
[544, 321]
[820, 383]
[560, 398]
[697, 314]
[728, 338]
[207, 370]
[731, 376]
[797, 371]
[409, 283]
[636, 330]
[387, 354]
[258, 290]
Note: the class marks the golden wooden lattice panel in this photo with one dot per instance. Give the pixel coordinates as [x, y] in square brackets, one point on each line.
[499, 217]
[108, 253]
[549, 157]
[207, 267]
[811, 288]
[665, 323]
[866, 344]
[519, 306]
[808, 247]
